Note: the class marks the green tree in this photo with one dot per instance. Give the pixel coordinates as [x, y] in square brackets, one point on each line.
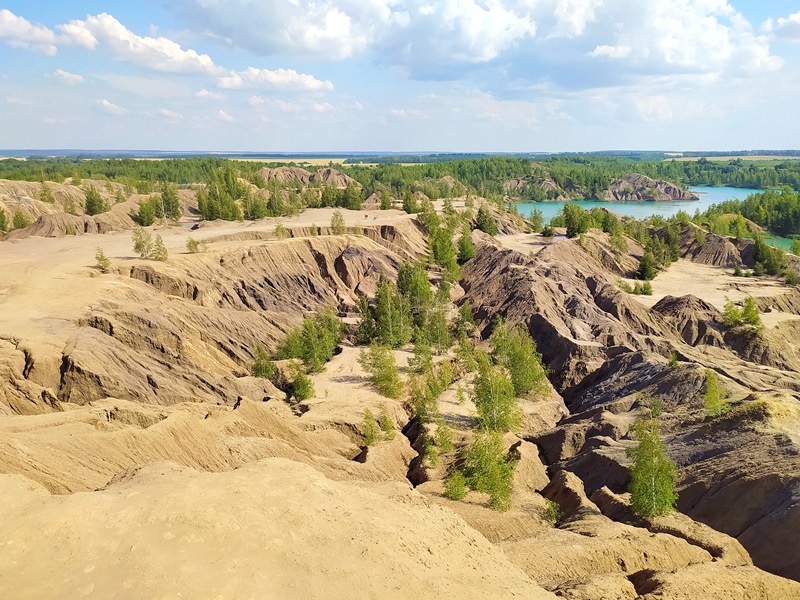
[262, 364]
[653, 475]
[371, 430]
[46, 194]
[488, 469]
[515, 350]
[147, 212]
[94, 204]
[20, 221]
[302, 387]
[253, 206]
[485, 221]
[338, 226]
[750, 314]
[386, 201]
[386, 423]
[280, 231]
[455, 485]
[494, 397]
[413, 284]
[576, 220]
[315, 341]
[466, 251]
[422, 359]
[380, 364]
[647, 266]
[731, 314]
[159, 251]
[142, 242]
[103, 262]
[393, 320]
[714, 396]
[3, 220]
[796, 247]
[169, 205]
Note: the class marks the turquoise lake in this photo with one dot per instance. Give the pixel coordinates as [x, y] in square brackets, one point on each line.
[642, 210]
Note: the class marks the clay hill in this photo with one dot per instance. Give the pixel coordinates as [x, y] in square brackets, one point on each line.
[140, 458]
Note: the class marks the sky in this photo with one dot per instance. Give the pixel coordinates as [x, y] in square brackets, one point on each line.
[400, 75]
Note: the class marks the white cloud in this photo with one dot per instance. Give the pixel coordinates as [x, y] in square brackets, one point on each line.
[110, 108]
[223, 116]
[17, 100]
[283, 79]
[204, 93]
[610, 51]
[572, 17]
[787, 28]
[653, 108]
[170, 116]
[21, 33]
[156, 53]
[70, 78]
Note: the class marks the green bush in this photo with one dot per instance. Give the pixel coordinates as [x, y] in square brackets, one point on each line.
[94, 202]
[338, 226]
[302, 387]
[552, 512]
[653, 475]
[714, 396]
[371, 431]
[262, 364]
[103, 262]
[280, 231]
[485, 221]
[489, 470]
[386, 424]
[731, 314]
[455, 485]
[3, 220]
[192, 246]
[20, 221]
[384, 374]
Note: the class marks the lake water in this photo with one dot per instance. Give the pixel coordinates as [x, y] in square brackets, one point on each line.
[642, 210]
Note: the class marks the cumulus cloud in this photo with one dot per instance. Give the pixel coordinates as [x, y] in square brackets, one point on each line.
[223, 116]
[610, 51]
[204, 93]
[282, 79]
[156, 53]
[787, 28]
[70, 78]
[109, 107]
[170, 116]
[21, 33]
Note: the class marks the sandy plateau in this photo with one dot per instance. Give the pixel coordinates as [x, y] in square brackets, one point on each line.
[139, 458]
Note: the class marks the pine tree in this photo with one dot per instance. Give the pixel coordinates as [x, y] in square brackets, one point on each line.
[94, 202]
[485, 221]
[466, 251]
[103, 262]
[653, 474]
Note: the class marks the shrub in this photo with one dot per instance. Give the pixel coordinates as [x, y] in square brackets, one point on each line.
[372, 433]
[547, 231]
[485, 221]
[386, 424]
[673, 360]
[443, 436]
[338, 226]
[384, 374]
[731, 314]
[647, 266]
[737, 271]
[46, 194]
[516, 350]
[192, 246]
[302, 387]
[3, 220]
[94, 202]
[280, 231]
[552, 512]
[262, 364]
[314, 341]
[494, 397]
[489, 470]
[147, 213]
[466, 251]
[455, 485]
[159, 251]
[103, 262]
[714, 396]
[625, 286]
[750, 314]
[20, 221]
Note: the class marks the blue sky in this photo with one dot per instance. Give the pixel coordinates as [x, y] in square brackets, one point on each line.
[400, 75]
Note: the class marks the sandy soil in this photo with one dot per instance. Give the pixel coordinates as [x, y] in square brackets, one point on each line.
[714, 285]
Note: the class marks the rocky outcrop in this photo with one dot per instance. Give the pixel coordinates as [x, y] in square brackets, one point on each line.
[640, 188]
